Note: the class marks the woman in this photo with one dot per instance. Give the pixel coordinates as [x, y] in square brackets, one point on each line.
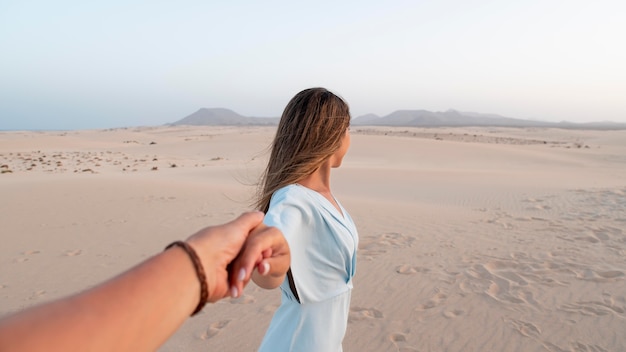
[294, 192]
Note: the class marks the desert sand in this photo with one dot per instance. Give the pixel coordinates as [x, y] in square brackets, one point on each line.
[471, 239]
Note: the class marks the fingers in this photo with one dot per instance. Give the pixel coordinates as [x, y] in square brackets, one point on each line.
[264, 267]
[259, 251]
[219, 245]
[243, 225]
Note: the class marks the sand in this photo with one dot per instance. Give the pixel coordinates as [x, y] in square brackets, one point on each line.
[472, 239]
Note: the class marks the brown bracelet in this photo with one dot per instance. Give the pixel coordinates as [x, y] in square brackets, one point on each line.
[197, 264]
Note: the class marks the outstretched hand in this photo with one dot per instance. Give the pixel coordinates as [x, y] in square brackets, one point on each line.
[265, 250]
[243, 243]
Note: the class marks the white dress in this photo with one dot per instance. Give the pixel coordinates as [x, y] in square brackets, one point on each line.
[323, 244]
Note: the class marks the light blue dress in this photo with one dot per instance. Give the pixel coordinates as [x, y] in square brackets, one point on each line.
[323, 244]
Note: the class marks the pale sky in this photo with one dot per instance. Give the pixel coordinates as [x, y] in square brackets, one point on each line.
[100, 64]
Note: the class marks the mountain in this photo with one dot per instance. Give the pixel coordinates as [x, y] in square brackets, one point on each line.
[450, 118]
[222, 117]
[415, 118]
[424, 118]
[365, 119]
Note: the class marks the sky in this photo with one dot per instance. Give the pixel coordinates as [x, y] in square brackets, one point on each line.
[105, 64]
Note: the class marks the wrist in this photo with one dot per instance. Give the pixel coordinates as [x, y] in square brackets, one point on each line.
[204, 249]
[199, 270]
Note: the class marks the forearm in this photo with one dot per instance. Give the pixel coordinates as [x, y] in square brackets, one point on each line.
[116, 315]
[139, 309]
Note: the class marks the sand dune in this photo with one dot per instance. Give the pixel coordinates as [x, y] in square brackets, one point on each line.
[472, 239]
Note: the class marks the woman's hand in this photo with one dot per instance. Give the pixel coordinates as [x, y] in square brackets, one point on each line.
[266, 250]
[230, 252]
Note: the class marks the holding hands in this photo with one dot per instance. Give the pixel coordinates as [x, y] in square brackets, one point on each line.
[231, 252]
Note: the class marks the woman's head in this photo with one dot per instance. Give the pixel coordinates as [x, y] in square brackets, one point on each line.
[312, 128]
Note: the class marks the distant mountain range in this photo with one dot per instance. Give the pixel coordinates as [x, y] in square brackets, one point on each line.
[405, 118]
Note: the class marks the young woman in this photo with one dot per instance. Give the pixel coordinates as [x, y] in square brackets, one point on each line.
[312, 138]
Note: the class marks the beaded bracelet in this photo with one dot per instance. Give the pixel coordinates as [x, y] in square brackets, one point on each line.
[197, 264]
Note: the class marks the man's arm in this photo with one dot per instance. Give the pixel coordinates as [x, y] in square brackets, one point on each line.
[139, 309]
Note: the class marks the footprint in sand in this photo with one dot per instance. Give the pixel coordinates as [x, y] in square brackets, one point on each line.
[498, 220]
[406, 269]
[450, 314]
[435, 301]
[361, 313]
[396, 240]
[72, 253]
[24, 258]
[400, 342]
[214, 329]
[37, 294]
[372, 247]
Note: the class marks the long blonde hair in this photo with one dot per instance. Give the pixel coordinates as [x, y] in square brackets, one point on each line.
[310, 130]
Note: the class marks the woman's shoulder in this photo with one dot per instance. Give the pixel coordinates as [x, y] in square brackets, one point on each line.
[292, 190]
[290, 202]
[293, 194]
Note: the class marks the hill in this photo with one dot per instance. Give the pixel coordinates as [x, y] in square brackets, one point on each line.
[222, 117]
[404, 118]
[424, 118]
[451, 118]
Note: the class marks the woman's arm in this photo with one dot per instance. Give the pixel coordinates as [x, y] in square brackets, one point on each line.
[139, 309]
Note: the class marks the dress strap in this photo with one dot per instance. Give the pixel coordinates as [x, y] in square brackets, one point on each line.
[292, 285]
